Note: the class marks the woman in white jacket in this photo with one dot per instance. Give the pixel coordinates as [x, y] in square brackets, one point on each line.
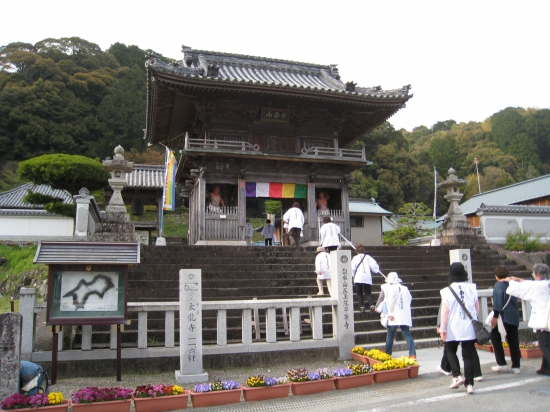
[398, 302]
[538, 293]
[456, 327]
[322, 269]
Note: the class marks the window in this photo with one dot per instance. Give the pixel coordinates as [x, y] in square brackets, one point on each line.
[356, 221]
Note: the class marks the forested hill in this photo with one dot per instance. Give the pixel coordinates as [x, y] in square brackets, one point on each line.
[68, 96]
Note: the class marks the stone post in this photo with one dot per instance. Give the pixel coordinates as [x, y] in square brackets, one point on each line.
[191, 370]
[10, 355]
[462, 256]
[27, 300]
[118, 167]
[342, 314]
[86, 214]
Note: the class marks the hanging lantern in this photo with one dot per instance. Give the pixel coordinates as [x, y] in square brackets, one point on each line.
[136, 208]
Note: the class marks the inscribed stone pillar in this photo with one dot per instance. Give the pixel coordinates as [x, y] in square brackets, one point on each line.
[462, 256]
[191, 328]
[10, 343]
[342, 288]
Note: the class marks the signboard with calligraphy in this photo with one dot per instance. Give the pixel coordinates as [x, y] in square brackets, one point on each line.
[270, 114]
[87, 297]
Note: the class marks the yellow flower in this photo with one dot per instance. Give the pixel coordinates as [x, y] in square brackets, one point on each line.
[378, 355]
[177, 390]
[359, 350]
[55, 398]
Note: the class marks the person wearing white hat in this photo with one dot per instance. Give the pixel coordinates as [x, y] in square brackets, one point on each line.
[398, 302]
[362, 268]
[322, 269]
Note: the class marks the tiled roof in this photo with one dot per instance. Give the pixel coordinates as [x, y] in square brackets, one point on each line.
[253, 70]
[146, 176]
[87, 252]
[367, 207]
[24, 212]
[543, 210]
[14, 198]
[509, 195]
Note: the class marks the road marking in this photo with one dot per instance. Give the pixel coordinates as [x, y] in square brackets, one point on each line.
[454, 395]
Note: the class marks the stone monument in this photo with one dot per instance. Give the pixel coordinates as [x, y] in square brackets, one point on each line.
[456, 230]
[10, 353]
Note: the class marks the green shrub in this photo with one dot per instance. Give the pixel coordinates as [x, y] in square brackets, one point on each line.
[524, 242]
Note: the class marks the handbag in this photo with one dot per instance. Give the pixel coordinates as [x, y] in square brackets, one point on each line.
[501, 328]
[483, 336]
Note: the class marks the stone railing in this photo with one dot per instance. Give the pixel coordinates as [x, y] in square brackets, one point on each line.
[292, 310]
[486, 294]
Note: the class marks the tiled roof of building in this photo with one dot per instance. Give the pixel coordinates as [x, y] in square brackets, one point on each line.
[543, 210]
[366, 207]
[173, 90]
[24, 212]
[509, 195]
[13, 199]
[146, 176]
[276, 73]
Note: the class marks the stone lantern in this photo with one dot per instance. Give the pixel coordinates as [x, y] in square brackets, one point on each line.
[456, 229]
[118, 167]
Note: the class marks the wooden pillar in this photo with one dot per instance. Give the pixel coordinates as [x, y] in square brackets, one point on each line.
[242, 203]
[311, 211]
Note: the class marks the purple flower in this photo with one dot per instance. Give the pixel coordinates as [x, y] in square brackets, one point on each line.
[202, 387]
[342, 372]
[230, 384]
[313, 376]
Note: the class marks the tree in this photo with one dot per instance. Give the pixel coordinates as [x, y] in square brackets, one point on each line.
[411, 225]
[65, 172]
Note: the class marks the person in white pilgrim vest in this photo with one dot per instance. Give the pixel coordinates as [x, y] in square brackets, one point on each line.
[538, 293]
[330, 235]
[322, 269]
[295, 219]
[398, 303]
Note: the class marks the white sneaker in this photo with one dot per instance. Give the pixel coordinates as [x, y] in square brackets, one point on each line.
[478, 378]
[456, 382]
[499, 368]
[440, 369]
[516, 371]
[470, 390]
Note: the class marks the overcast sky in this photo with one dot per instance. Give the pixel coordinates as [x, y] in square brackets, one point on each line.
[464, 59]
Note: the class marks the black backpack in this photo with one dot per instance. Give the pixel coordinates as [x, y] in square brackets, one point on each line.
[33, 379]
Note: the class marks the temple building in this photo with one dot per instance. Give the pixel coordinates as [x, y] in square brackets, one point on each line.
[249, 129]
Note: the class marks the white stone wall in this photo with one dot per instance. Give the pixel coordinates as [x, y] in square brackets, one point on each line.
[33, 228]
[370, 234]
[496, 227]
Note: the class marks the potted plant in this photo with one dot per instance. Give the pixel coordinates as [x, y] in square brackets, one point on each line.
[92, 399]
[53, 402]
[261, 387]
[530, 350]
[306, 383]
[216, 393]
[158, 398]
[376, 356]
[353, 376]
[412, 364]
[390, 370]
[358, 354]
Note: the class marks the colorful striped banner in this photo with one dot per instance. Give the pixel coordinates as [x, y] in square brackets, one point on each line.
[276, 190]
[169, 193]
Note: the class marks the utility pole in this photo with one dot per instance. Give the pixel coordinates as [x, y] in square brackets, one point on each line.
[477, 171]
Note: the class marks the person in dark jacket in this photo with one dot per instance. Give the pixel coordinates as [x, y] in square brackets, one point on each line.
[506, 308]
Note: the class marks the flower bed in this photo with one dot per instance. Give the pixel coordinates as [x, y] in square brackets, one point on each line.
[216, 393]
[92, 398]
[306, 383]
[158, 398]
[53, 402]
[353, 376]
[260, 387]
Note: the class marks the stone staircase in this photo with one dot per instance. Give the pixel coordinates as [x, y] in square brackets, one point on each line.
[280, 272]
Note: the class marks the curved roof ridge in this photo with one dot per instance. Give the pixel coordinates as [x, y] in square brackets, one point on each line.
[251, 57]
